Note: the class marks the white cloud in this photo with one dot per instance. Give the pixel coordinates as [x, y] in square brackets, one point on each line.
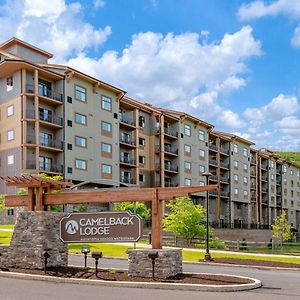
[230, 119]
[99, 3]
[57, 27]
[177, 70]
[288, 125]
[258, 9]
[280, 106]
[243, 135]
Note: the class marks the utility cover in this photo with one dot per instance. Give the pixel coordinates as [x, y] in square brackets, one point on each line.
[101, 227]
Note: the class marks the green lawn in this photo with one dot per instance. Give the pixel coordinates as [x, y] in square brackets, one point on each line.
[5, 237]
[7, 226]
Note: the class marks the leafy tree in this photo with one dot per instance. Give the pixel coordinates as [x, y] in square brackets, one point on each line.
[281, 228]
[186, 219]
[2, 204]
[140, 208]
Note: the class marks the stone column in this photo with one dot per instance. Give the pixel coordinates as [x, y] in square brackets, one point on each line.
[34, 233]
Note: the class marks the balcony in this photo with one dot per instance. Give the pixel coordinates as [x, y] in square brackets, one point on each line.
[46, 142]
[224, 151]
[127, 179]
[127, 121]
[213, 147]
[264, 190]
[171, 168]
[45, 93]
[253, 199]
[224, 179]
[169, 184]
[264, 178]
[264, 166]
[169, 150]
[213, 193]
[224, 165]
[171, 133]
[213, 178]
[127, 161]
[30, 164]
[253, 161]
[30, 114]
[127, 140]
[252, 174]
[253, 186]
[213, 162]
[224, 194]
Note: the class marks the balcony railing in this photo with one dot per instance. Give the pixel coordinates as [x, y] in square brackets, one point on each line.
[213, 193]
[44, 93]
[127, 120]
[224, 194]
[30, 164]
[54, 120]
[214, 178]
[169, 184]
[127, 160]
[50, 143]
[252, 173]
[253, 186]
[170, 132]
[127, 140]
[213, 162]
[224, 150]
[224, 164]
[224, 179]
[213, 147]
[264, 166]
[171, 150]
[127, 179]
[253, 161]
[169, 167]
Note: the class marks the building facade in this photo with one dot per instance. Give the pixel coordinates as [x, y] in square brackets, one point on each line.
[57, 120]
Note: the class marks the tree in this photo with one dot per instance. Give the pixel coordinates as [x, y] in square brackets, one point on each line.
[281, 228]
[2, 203]
[140, 208]
[186, 219]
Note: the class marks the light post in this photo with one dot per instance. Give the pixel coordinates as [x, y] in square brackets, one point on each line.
[207, 256]
[85, 251]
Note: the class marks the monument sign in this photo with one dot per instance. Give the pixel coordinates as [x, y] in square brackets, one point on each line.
[118, 226]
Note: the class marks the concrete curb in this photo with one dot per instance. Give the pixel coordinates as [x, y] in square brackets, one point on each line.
[149, 285]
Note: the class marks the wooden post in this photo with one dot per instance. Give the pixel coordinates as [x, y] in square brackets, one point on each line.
[157, 209]
[39, 199]
[32, 200]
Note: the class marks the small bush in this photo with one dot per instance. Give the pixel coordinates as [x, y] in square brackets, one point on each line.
[243, 244]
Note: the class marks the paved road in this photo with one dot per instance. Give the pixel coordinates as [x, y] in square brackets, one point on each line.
[278, 285]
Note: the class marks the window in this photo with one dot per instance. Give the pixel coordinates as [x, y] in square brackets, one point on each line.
[284, 169]
[10, 159]
[10, 111]
[235, 148]
[69, 123]
[201, 169]
[236, 178]
[80, 141]
[45, 114]
[292, 183]
[141, 177]
[245, 180]
[45, 163]
[201, 183]
[187, 166]
[69, 146]
[187, 181]
[272, 177]
[187, 130]
[187, 150]
[142, 159]
[106, 126]
[106, 169]
[201, 135]
[285, 181]
[235, 164]
[245, 193]
[245, 167]
[70, 170]
[292, 173]
[80, 164]
[106, 148]
[9, 83]
[106, 103]
[80, 93]
[142, 121]
[236, 191]
[10, 135]
[272, 164]
[79, 118]
[45, 139]
[201, 153]
[245, 152]
[141, 141]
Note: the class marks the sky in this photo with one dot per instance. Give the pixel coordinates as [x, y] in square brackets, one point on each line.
[232, 63]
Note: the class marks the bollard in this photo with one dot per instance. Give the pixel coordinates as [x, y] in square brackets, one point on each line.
[85, 251]
[150, 238]
[96, 255]
[153, 256]
[46, 256]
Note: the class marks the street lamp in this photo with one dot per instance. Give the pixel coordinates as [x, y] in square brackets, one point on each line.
[207, 256]
[85, 251]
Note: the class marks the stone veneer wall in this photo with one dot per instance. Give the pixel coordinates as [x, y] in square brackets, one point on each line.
[34, 233]
[168, 263]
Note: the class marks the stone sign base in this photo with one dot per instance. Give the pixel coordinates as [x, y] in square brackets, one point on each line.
[34, 233]
[168, 263]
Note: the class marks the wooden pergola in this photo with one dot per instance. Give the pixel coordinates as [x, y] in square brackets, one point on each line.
[40, 196]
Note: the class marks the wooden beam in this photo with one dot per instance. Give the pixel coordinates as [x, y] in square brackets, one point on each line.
[157, 211]
[17, 200]
[103, 196]
[170, 193]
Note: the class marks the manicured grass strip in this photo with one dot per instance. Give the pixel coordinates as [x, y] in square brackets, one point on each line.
[7, 226]
[193, 256]
[108, 250]
[5, 237]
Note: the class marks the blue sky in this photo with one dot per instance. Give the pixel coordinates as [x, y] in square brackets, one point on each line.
[232, 63]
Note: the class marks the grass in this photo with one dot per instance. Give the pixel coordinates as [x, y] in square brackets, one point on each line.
[5, 237]
[7, 226]
[290, 156]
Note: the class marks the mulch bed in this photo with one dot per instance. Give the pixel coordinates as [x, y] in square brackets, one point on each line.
[113, 275]
[253, 262]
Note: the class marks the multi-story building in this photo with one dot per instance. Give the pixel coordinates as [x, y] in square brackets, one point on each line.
[57, 120]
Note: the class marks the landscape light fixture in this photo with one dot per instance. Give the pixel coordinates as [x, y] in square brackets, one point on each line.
[207, 256]
[85, 251]
[46, 256]
[96, 255]
[153, 256]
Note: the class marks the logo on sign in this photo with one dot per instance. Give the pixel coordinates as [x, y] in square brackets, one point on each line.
[71, 227]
